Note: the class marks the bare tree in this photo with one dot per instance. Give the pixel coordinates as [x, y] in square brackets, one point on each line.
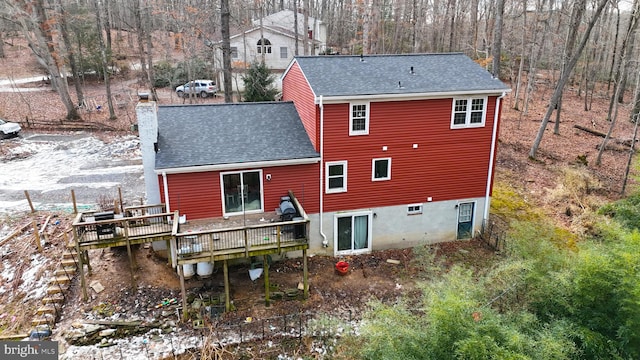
[104, 57]
[564, 77]
[497, 39]
[37, 27]
[226, 49]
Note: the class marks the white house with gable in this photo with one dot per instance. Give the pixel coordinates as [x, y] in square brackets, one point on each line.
[274, 37]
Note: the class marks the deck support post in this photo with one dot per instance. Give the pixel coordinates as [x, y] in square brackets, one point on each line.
[132, 263]
[185, 312]
[227, 301]
[85, 296]
[305, 274]
[265, 265]
[86, 260]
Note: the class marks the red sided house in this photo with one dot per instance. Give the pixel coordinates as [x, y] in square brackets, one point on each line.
[407, 144]
[381, 151]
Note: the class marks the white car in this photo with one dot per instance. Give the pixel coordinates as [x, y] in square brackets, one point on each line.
[202, 88]
[9, 129]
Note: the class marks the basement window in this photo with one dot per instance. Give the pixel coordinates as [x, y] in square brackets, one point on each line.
[414, 209]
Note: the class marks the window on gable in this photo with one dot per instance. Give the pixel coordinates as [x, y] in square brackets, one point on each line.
[264, 45]
[359, 119]
[234, 52]
[336, 179]
[284, 53]
[381, 169]
[468, 112]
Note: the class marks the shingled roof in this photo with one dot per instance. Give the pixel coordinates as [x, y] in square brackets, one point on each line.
[217, 134]
[392, 74]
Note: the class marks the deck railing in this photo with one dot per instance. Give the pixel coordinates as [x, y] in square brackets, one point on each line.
[242, 241]
[140, 222]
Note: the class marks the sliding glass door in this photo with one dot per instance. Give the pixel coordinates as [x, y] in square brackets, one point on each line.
[352, 233]
[242, 192]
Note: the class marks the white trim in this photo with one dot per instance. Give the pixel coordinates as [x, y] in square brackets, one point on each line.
[369, 215]
[344, 176]
[366, 118]
[373, 169]
[237, 166]
[165, 184]
[494, 136]
[468, 111]
[222, 194]
[325, 242]
[341, 99]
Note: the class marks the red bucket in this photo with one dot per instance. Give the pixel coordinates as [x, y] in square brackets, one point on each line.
[342, 267]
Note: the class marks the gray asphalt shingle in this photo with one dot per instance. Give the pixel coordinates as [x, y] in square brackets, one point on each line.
[197, 135]
[381, 74]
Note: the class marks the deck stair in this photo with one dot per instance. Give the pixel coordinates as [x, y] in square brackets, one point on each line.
[60, 281]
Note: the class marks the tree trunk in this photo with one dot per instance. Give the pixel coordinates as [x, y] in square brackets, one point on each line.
[64, 32]
[226, 48]
[497, 39]
[137, 14]
[37, 34]
[564, 77]
[2, 55]
[103, 59]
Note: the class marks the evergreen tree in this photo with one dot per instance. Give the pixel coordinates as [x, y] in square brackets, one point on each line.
[258, 84]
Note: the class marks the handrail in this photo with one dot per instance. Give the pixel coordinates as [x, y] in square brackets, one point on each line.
[238, 228]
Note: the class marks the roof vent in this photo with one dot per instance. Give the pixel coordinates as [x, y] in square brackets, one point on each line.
[361, 58]
[400, 85]
[411, 71]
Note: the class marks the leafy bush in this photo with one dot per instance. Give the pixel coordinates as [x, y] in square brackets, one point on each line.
[625, 211]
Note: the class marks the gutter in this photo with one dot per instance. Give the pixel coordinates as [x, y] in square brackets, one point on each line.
[325, 242]
[166, 191]
[494, 139]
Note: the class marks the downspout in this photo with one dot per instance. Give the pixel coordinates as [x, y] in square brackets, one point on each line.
[166, 191]
[325, 242]
[494, 139]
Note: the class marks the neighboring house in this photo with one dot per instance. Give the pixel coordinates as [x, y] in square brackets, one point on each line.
[407, 145]
[382, 151]
[274, 38]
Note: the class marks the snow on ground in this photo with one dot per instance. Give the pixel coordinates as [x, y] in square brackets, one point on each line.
[49, 166]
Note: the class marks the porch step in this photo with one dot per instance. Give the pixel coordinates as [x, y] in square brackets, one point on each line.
[56, 289]
[54, 299]
[47, 309]
[69, 272]
[69, 255]
[60, 280]
[46, 319]
[68, 263]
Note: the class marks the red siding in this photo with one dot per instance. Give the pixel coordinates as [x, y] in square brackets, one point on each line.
[198, 194]
[448, 164]
[295, 88]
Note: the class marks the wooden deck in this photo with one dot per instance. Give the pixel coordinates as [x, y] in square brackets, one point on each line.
[197, 241]
[193, 242]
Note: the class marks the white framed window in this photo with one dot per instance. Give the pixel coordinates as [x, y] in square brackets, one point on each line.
[468, 112]
[381, 169]
[284, 52]
[359, 119]
[234, 52]
[336, 177]
[414, 209]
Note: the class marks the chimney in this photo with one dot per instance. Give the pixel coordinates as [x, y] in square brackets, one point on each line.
[147, 115]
